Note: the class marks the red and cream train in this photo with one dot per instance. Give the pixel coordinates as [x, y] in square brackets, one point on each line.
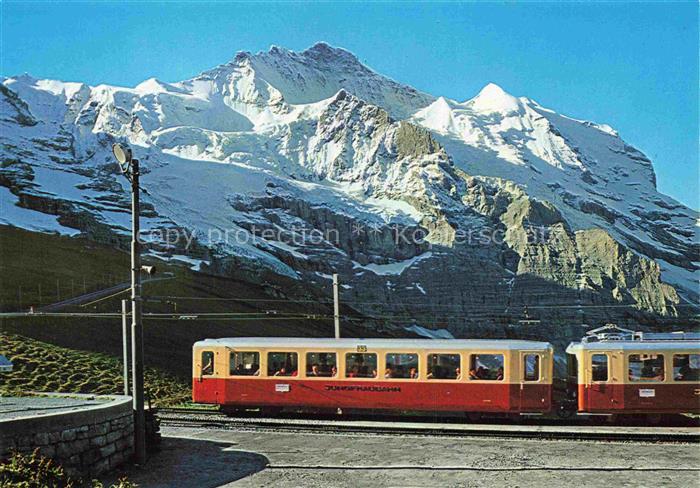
[618, 372]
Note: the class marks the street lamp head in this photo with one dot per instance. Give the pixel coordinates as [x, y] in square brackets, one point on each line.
[149, 270]
[123, 155]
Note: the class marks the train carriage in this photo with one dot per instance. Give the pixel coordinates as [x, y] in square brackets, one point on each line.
[616, 371]
[497, 376]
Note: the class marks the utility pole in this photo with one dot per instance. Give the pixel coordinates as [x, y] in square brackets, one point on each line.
[336, 306]
[130, 169]
[136, 324]
[125, 344]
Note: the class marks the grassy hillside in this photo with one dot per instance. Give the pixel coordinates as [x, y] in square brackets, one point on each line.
[39, 269]
[30, 259]
[43, 367]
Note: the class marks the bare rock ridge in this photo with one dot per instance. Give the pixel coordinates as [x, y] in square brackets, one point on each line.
[465, 215]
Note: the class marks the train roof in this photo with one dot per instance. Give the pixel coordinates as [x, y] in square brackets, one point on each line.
[347, 343]
[633, 346]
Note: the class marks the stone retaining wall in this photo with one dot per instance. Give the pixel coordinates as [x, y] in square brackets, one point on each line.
[87, 442]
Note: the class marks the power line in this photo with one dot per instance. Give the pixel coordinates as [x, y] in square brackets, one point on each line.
[234, 299]
[176, 316]
[414, 303]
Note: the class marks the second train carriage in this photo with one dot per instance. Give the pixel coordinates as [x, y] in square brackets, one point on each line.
[503, 376]
[617, 371]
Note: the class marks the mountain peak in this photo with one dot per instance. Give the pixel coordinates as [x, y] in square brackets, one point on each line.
[242, 56]
[442, 103]
[492, 98]
[312, 75]
[25, 78]
[152, 85]
[441, 108]
[492, 89]
[320, 52]
[323, 50]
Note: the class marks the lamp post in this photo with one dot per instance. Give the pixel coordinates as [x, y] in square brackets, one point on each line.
[130, 169]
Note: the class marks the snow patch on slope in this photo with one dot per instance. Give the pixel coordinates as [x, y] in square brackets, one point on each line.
[430, 333]
[16, 216]
[396, 268]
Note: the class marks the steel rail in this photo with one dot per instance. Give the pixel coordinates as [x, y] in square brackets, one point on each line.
[182, 417]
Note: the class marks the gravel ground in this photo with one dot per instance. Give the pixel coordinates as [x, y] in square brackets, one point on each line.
[208, 458]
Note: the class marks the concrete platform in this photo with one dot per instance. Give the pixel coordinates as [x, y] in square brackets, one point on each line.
[200, 457]
[19, 407]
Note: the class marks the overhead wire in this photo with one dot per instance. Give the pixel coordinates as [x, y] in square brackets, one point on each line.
[422, 304]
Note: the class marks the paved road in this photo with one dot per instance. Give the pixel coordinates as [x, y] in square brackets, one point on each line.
[94, 295]
[208, 458]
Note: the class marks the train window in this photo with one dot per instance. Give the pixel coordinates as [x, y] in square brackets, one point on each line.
[207, 363]
[486, 367]
[244, 363]
[444, 367]
[599, 365]
[686, 367]
[401, 365]
[360, 365]
[646, 367]
[282, 364]
[321, 364]
[531, 367]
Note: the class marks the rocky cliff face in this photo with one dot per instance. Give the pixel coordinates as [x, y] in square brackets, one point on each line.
[463, 215]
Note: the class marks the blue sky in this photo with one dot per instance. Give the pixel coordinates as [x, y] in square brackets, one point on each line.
[631, 65]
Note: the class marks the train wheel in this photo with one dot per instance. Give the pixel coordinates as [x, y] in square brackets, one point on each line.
[515, 418]
[598, 419]
[270, 411]
[654, 419]
[230, 411]
[473, 417]
[564, 413]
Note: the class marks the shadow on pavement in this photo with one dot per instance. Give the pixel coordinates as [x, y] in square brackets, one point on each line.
[192, 463]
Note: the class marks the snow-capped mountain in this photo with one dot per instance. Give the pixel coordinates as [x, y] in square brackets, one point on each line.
[310, 163]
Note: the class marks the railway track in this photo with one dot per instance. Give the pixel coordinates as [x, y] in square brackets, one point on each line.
[212, 419]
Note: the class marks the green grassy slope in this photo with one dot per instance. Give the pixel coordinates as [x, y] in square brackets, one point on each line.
[39, 269]
[30, 259]
[43, 367]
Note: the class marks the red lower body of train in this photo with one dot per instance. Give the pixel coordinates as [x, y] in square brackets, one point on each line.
[639, 399]
[493, 397]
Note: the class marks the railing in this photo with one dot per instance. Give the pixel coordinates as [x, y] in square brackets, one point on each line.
[613, 333]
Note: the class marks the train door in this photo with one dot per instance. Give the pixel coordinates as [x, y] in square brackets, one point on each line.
[205, 385]
[532, 391]
[617, 380]
[597, 384]
[645, 382]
